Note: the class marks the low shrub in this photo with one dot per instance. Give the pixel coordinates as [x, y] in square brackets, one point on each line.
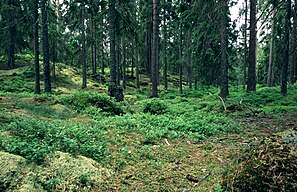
[155, 106]
[34, 140]
[80, 101]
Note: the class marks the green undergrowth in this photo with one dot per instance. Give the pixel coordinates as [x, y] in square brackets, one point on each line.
[35, 139]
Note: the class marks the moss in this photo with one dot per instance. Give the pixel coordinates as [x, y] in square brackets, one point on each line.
[15, 174]
[68, 173]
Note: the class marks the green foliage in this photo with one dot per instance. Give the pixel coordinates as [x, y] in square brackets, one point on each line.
[82, 101]
[17, 80]
[155, 106]
[34, 140]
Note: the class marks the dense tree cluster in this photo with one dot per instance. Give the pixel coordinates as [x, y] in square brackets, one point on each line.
[195, 40]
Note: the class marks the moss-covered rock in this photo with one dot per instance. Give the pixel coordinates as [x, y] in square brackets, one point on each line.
[15, 174]
[64, 172]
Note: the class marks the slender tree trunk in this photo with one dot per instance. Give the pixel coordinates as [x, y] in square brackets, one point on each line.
[113, 75]
[84, 51]
[124, 65]
[190, 65]
[245, 43]
[54, 58]
[149, 37]
[286, 49]
[102, 45]
[137, 68]
[251, 84]
[196, 83]
[165, 49]
[92, 46]
[180, 60]
[224, 65]
[118, 61]
[154, 64]
[11, 35]
[36, 49]
[294, 45]
[270, 65]
[132, 60]
[45, 47]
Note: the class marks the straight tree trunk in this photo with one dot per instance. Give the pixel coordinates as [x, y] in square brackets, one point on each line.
[294, 45]
[224, 91]
[251, 83]
[149, 41]
[36, 49]
[124, 65]
[11, 35]
[270, 65]
[137, 68]
[132, 60]
[84, 51]
[180, 60]
[118, 61]
[102, 45]
[286, 49]
[245, 43]
[155, 52]
[45, 47]
[165, 49]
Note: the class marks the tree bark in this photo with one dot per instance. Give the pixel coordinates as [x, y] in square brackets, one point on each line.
[270, 65]
[113, 75]
[294, 45]
[45, 47]
[155, 51]
[224, 91]
[165, 49]
[36, 49]
[11, 35]
[137, 68]
[251, 83]
[245, 43]
[84, 51]
[286, 49]
[180, 60]
[124, 65]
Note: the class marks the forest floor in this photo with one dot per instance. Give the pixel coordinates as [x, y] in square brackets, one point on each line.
[75, 140]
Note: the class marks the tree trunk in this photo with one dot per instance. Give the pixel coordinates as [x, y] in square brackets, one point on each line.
[165, 49]
[180, 60]
[270, 65]
[45, 47]
[294, 45]
[149, 38]
[251, 84]
[11, 35]
[245, 43]
[113, 75]
[36, 49]
[84, 51]
[224, 92]
[137, 68]
[154, 64]
[102, 45]
[124, 65]
[132, 60]
[113, 89]
[286, 49]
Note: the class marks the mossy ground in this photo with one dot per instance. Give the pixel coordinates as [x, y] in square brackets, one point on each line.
[187, 147]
